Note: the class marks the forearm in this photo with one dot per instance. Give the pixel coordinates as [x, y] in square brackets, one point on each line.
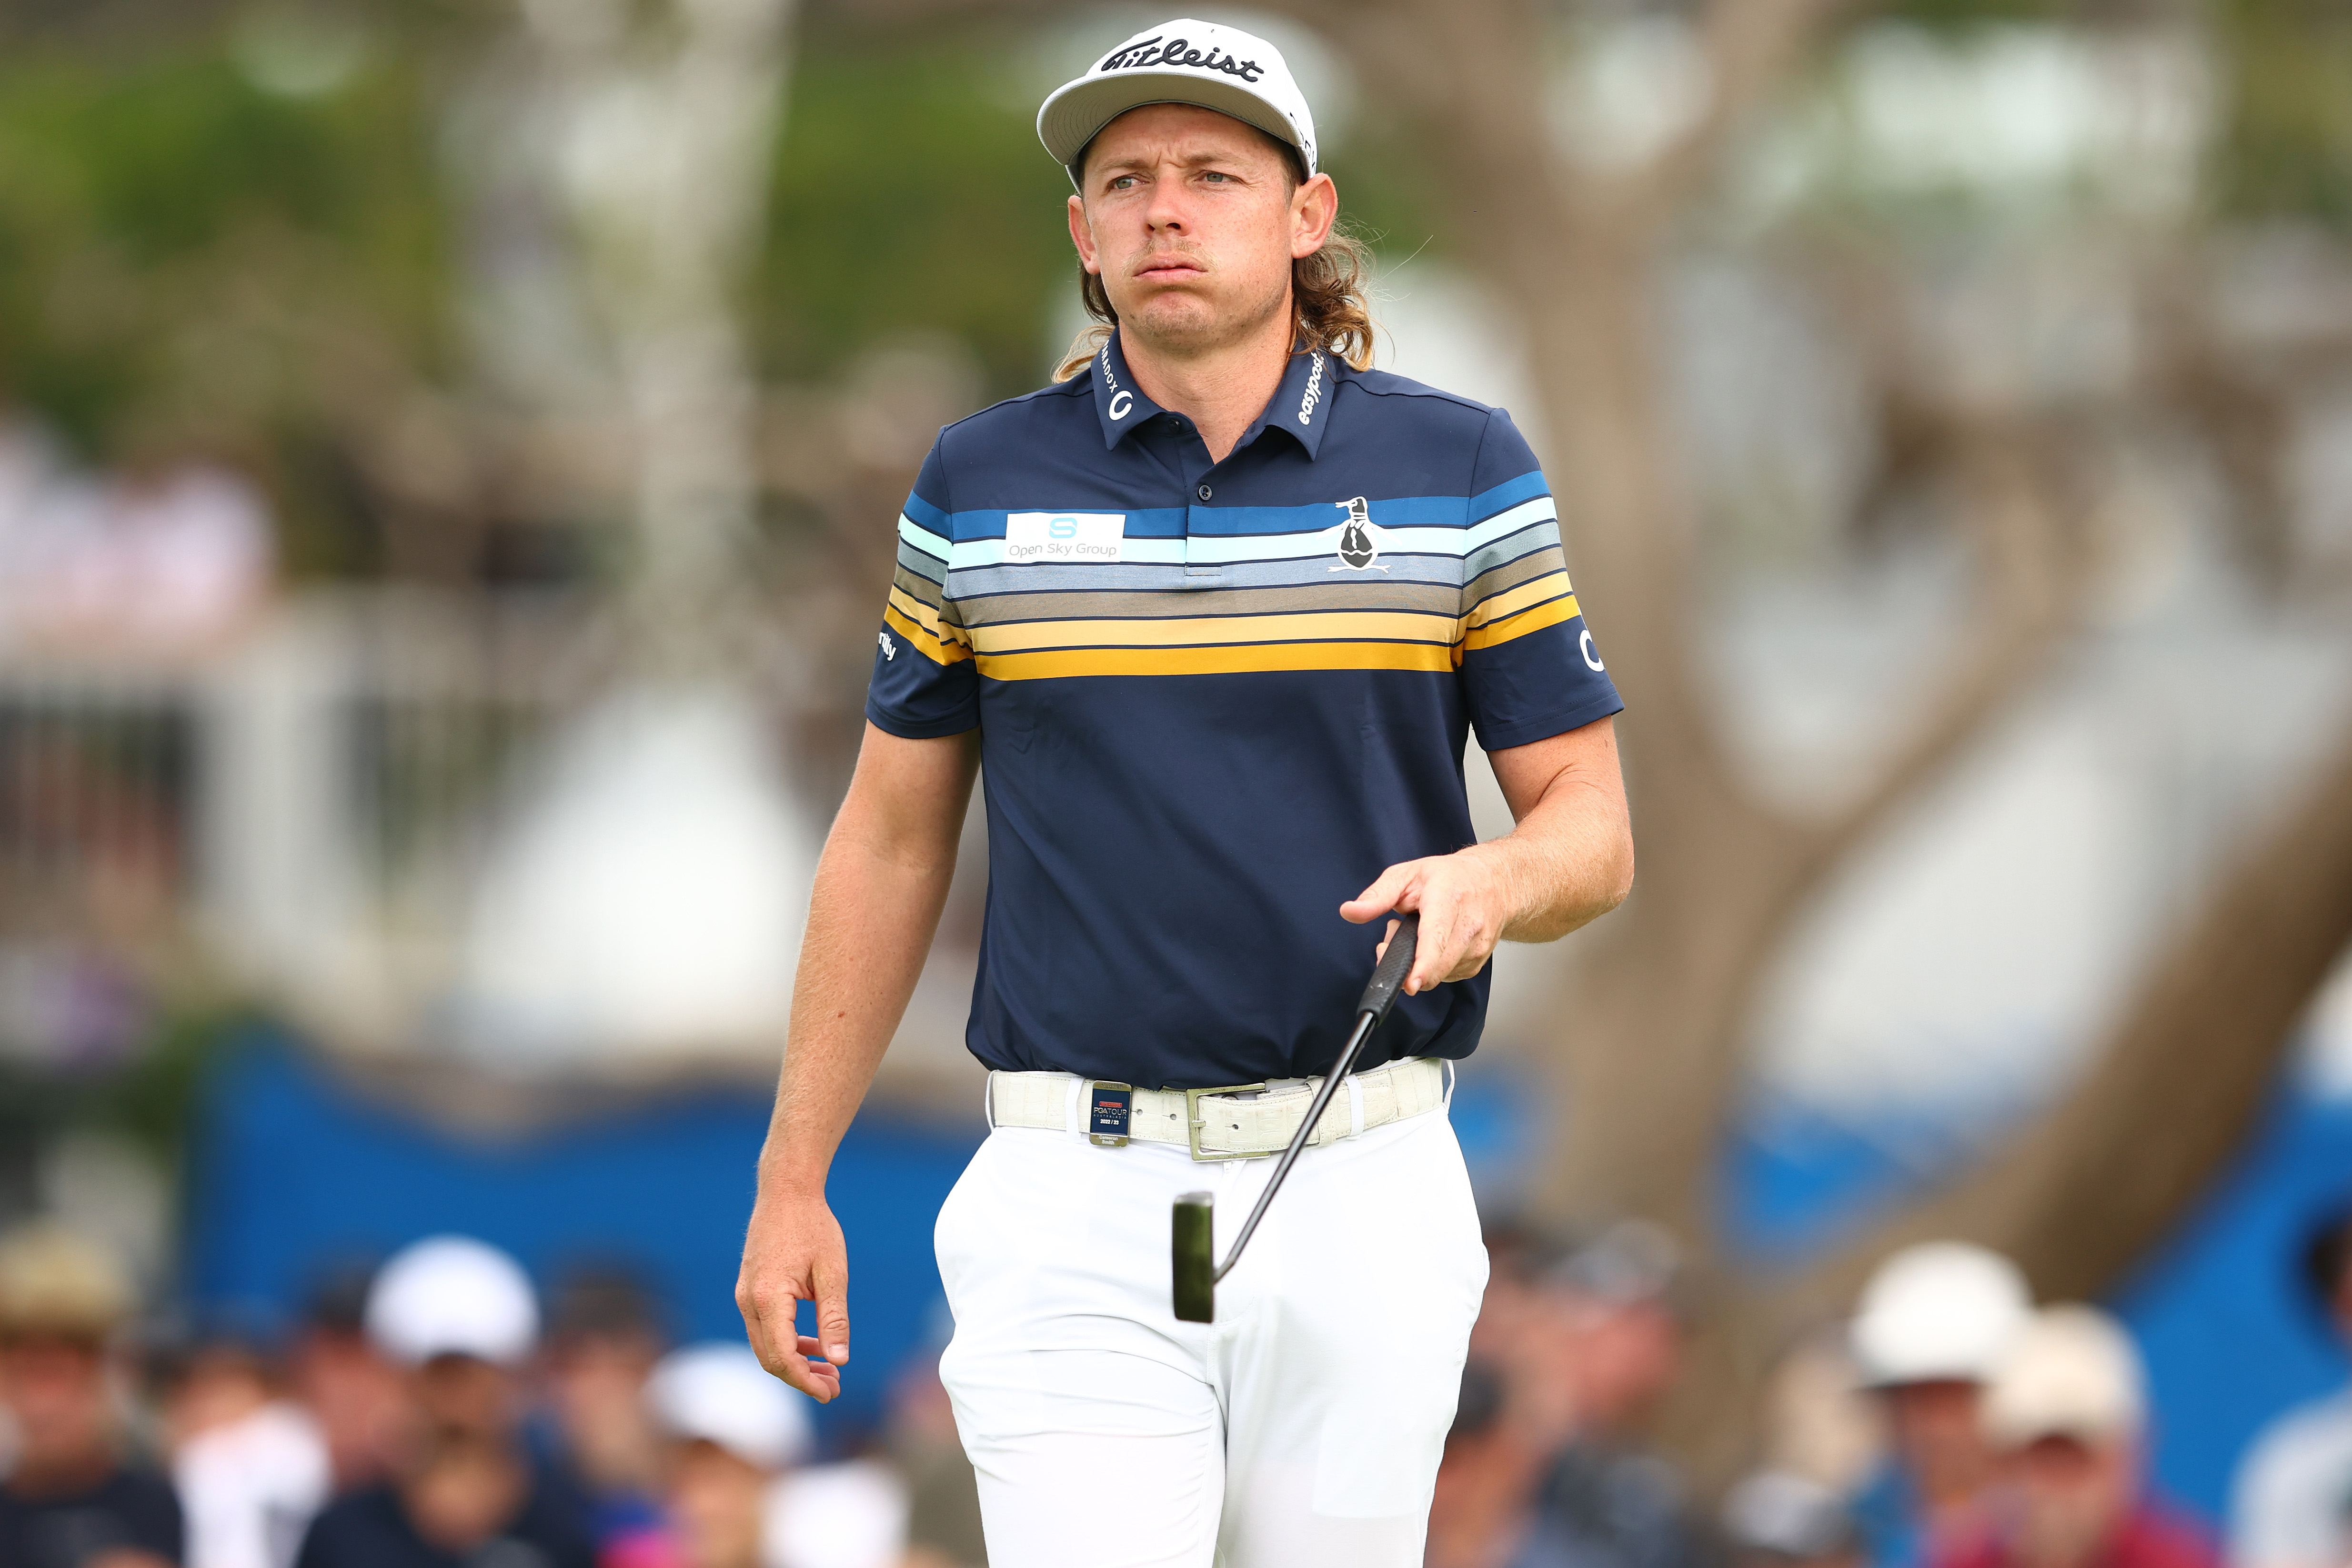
[1568, 862]
[871, 920]
[881, 885]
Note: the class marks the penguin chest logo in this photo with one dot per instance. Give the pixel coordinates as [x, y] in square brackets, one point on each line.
[1359, 541]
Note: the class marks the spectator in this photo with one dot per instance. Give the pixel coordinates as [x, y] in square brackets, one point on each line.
[1933, 1322]
[735, 1495]
[1543, 1465]
[944, 1525]
[604, 1337]
[354, 1394]
[1617, 1342]
[250, 1466]
[1777, 1520]
[2065, 1412]
[71, 1499]
[2292, 1507]
[460, 1317]
[1485, 1514]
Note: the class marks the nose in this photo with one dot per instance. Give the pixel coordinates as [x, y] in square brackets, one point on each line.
[1166, 213]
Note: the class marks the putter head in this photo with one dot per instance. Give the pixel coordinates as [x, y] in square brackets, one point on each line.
[1192, 1253]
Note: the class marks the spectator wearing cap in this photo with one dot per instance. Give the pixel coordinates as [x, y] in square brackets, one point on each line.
[460, 1317]
[72, 1499]
[2292, 1505]
[250, 1465]
[2066, 1414]
[1933, 1322]
[735, 1495]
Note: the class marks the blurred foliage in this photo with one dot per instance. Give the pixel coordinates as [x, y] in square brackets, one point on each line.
[192, 263]
[2286, 149]
[910, 196]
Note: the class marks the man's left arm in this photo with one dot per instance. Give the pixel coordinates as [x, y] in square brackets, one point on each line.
[1569, 861]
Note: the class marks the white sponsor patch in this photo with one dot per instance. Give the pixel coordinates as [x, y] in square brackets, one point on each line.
[1031, 537]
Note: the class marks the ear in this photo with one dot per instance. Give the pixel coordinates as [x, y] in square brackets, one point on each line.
[1082, 235]
[1313, 208]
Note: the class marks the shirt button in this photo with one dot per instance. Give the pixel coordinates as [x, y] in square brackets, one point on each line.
[1204, 492]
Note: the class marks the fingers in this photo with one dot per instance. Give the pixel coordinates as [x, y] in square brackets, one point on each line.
[833, 1308]
[1387, 892]
[1387, 937]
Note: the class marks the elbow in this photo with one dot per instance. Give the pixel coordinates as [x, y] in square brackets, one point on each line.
[1618, 885]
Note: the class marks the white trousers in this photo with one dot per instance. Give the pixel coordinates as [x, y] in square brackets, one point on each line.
[1302, 1428]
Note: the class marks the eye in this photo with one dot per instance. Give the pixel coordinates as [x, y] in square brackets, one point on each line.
[1122, 182]
[1214, 175]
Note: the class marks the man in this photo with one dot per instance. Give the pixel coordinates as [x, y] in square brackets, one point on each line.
[2292, 1501]
[70, 1498]
[1218, 613]
[2065, 1414]
[461, 1318]
[1933, 1322]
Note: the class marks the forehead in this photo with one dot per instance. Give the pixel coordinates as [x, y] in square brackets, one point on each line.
[1183, 132]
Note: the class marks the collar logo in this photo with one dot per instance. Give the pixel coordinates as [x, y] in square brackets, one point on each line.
[1122, 401]
[1314, 395]
[1163, 51]
[1359, 541]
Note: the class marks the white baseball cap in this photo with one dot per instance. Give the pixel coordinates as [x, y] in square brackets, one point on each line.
[719, 1393]
[1183, 61]
[2070, 1371]
[451, 1295]
[1942, 1310]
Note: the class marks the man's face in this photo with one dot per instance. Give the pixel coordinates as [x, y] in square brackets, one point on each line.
[2071, 1495]
[1193, 219]
[1934, 1423]
[54, 1387]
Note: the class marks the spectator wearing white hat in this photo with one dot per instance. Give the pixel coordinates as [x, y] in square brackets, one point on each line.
[735, 1495]
[2066, 1413]
[460, 1317]
[1933, 1322]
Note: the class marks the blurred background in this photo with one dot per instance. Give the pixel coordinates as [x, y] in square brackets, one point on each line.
[449, 454]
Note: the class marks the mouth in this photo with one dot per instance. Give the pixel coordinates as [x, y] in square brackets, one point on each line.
[1168, 269]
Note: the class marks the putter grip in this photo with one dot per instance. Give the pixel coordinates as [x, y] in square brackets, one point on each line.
[1394, 966]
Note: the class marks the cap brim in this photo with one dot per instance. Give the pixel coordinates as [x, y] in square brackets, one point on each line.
[1078, 111]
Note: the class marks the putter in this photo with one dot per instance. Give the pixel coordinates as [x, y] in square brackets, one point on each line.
[1193, 1252]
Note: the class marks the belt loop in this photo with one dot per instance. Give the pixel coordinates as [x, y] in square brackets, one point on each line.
[1072, 1106]
[1446, 1098]
[988, 1100]
[1354, 1105]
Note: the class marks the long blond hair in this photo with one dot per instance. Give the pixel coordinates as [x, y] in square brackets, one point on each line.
[1327, 306]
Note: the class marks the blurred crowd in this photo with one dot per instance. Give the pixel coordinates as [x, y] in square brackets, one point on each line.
[432, 1411]
[1951, 1422]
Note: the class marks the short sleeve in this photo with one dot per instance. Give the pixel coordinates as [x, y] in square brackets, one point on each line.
[1529, 667]
[925, 684]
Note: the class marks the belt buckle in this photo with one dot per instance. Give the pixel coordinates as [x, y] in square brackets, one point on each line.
[1193, 1121]
[1110, 1110]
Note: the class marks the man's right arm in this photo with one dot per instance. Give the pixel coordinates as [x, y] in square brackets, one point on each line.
[881, 885]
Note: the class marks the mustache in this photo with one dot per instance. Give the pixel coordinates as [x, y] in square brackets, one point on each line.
[1159, 256]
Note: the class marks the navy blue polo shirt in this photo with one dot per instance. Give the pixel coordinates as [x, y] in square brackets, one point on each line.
[1215, 700]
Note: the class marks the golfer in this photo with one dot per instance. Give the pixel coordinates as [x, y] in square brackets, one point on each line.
[1213, 616]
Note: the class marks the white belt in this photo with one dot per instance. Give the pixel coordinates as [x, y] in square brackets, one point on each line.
[1219, 1123]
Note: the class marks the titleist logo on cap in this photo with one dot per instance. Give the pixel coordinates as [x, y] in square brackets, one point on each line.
[1156, 51]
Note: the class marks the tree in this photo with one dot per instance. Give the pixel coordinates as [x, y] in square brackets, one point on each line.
[1648, 1078]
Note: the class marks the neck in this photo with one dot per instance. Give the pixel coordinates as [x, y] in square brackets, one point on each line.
[1221, 389]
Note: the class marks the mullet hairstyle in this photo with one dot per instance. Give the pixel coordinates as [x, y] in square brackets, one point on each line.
[1328, 310]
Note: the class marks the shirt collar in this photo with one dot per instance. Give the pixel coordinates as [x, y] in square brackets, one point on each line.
[1300, 407]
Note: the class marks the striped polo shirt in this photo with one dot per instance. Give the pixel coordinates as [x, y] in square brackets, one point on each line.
[1216, 699]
